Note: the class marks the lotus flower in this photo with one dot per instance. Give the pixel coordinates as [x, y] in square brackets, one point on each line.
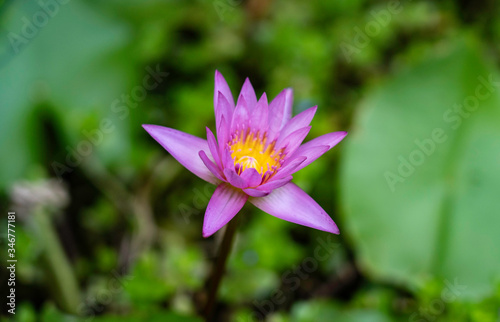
[257, 150]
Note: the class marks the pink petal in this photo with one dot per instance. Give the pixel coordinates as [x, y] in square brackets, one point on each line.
[287, 114]
[275, 183]
[227, 159]
[222, 111]
[248, 93]
[289, 168]
[299, 121]
[225, 203]
[211, 166]
[223, 134]
[221, 86]
[280, 112]
[317, 147]
[311, 154]
[214, 148]
[240, 116]
[293, 141]
[234, 179]
[330, 139]
[255, 192]
[252, 177]
[292, 204]
[277, 114]
[184, 148]
[259, 116]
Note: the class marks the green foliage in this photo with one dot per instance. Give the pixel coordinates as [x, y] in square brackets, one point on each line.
[323, 311]
[419, 145]
[148, 283]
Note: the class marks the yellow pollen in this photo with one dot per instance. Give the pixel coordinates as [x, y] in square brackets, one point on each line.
[249, 150]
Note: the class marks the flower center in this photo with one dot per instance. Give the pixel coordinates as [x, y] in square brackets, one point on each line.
[249, 150]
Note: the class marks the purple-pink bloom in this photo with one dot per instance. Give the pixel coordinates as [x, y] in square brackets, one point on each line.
[258, 148]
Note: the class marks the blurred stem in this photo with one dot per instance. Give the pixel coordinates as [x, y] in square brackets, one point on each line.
[219, 267]
[136, 206]
[61, 273]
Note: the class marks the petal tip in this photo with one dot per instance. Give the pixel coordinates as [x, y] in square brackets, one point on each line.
[334, 230]
[343, 134]
[331, 227]
[206, 233]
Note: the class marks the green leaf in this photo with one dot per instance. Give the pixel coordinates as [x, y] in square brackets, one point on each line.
[322, 310]
[70, 70]
[420, 181]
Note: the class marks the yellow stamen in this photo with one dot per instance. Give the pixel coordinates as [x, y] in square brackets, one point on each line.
[249, 150]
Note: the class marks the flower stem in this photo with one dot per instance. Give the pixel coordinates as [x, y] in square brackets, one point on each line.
[61, 276]
[219, 267]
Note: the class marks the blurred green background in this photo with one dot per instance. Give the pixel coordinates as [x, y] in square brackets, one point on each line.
[108, 225]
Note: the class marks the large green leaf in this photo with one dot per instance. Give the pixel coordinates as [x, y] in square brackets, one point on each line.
[421, 180]
[69, 67]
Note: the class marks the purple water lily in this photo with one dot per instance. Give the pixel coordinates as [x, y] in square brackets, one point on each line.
[258, 148]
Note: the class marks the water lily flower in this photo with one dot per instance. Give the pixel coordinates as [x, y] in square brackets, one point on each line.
[257, 150]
